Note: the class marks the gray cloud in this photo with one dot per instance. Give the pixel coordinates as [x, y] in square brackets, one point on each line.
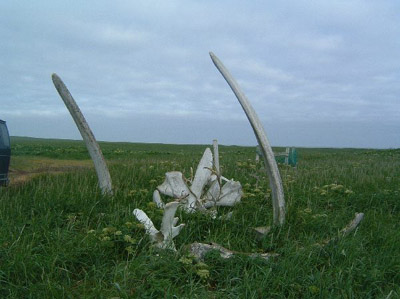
[307, 65]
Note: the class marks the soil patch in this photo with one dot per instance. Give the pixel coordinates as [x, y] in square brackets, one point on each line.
[23, 169]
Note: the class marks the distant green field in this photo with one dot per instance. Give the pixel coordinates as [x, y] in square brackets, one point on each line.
[60, 238]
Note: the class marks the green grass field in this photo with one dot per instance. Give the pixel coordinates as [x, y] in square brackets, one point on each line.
[60, 238]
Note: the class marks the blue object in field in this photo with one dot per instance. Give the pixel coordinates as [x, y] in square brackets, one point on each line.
[292, 157]
[288, 157]
[5, 153]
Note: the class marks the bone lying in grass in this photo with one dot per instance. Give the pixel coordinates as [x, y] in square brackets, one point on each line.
[206, 190]
[262, 231]
[358, 217]
[199, 250]
[275, 181]
[163, 237]
[93, 147]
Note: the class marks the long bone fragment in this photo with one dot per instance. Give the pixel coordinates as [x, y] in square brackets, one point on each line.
[199, 250]
[203, 173]
[216, 157]
[93, 147]
[275, 181]
[358, 217]
[163, 237]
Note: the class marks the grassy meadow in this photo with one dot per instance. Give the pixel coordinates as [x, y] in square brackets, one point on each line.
[60, 238]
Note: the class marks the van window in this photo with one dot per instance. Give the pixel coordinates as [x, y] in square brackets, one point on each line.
[4, 139]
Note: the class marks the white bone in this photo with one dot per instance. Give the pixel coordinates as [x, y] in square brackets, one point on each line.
[174, 185]
[216, 157]
[203, 173]
[148, 224]
[229, 195]
[157, 199]
[358, 217]
[163, 237]
[201, 178]
[275, 181]
[192, 197]
[93, 147]
[212, 194]
[168, 228]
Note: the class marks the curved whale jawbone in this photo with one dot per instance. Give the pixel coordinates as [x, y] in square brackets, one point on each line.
[275, 181]
[93, 147]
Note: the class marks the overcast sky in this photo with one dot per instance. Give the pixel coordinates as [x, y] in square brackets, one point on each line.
[318, 73]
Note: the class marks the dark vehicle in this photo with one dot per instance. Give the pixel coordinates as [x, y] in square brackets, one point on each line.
[5, 153]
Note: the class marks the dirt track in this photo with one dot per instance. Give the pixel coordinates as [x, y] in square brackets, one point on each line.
[24, 169]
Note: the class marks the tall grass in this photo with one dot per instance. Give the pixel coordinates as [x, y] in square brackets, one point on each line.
[60, 238]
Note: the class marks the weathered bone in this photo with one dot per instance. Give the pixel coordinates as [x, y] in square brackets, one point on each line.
[163, 237]
[148, 225]
[199, 250]
[203, 173]
[275, 181]
[358, 217]
[192, 197]
[93, 147]
[174, 186]
[229, 195]
[213, 193]
[216, 157]
[157, 200]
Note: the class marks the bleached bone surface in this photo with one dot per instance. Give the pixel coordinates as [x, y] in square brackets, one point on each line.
[216, 157]
[163, 237]
[199, 250]
[169, 221]
[358, 217]
[212, 194]
[203, 173]
[174, 186]
[93, 147]
[275, 180]
[195, 198]
[229, 195]
[148, 225]
[157, 200]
